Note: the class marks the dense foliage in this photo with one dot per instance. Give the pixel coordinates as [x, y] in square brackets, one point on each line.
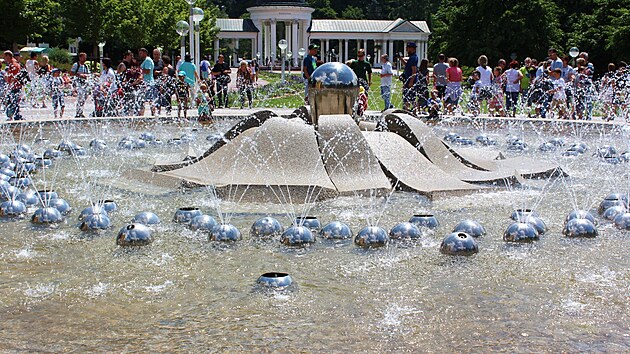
[461, 28]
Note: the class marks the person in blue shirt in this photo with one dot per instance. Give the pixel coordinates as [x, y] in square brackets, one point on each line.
[409, 75]
[556, 61]
[148, 80]
[308, 66]
[190, 69]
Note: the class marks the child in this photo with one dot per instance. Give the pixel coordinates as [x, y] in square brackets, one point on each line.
[56, 89]
[203, 103]
[182, 94]
[474, 103]
[495, 106]
[362, 102]
[559, 100]
[434, 105]
[166, 87]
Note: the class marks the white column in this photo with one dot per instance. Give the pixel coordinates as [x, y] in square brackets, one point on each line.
[365, 44]
[327, 50]
[216, 50]
[267, 36]
[274, 42]
[345, 50]
[236, 50]
[391, 49]
[295, 45]
[305, 40]
[259, 40]
[253, 48]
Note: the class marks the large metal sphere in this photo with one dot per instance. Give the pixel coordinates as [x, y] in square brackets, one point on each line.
[451, 137]
[24, 147]
[557, 141]
[579, 228]
[78, 152]
[310, 222]
[336, 230]
[134, 235]
[12, 208]
[613, 199]
[67, 146]
[96, 222]
[470, 227]
[517, 145]
[371, 236]
[521, 214]
[275, 280]
[225, 233]
[520, 232]
[4, 159]
[5, 178]
[464, 141]
[8, 172]
[612, 212]
[203, 223]
[459, 244]
[606, 151]
[146, 218]
[24, 168]
[146, 136]
[622, 221]
[47, 215]
[266, 228]
[428, 221]
[405, 230]
[28, 198]
[185, 215]
[9, 192]
[485, 140]
[91, 210]
[43, 163]
[580, 148]
[61, 205]
[581, 214]
[333, 75]
[547, 147]
[109, 205]
[297, 236]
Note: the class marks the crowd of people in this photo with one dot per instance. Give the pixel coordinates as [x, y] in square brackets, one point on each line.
[124, 90]
[551, 88]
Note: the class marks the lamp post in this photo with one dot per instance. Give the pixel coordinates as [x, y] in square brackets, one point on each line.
[369, 57]
[191, 34]
[282, 44]
[333, 56]
[182, 29]
[197, 17]
[100, 52]
[574, 52]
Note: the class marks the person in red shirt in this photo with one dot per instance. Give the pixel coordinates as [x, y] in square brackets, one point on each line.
[14, 86]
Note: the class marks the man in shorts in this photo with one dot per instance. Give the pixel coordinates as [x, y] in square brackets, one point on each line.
[409, 75]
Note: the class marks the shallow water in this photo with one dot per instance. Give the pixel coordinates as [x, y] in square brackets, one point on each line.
[65, 290]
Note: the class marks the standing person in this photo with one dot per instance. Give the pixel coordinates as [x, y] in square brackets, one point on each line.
[148, 81]
[158, 63]
[496, 107]
[309, 64]
[32, 66]
[80, 74]
[204, 109]
[502, 64]
[183, 92]
[513, 77]
[43, 77]
[582, 93]
[439, 76]
[56, 91]
[485, 79]
[568, 75]
[363, 70]
[386, 81]
[191, 71]
[409, 75]
[109, 88]
[422, 85]
[221, 72]
[13, 87]
[166, 88]
[559, 96]
[606, 91]
[526, 72]
[255, 69]
[204, 69]
[556, 62]
[589, 71]
[245, 83]
[454, 78]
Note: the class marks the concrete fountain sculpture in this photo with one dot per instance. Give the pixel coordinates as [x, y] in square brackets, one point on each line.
[327, 154]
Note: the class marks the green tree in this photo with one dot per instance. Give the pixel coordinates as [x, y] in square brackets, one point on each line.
[352, 13]
[322, 9]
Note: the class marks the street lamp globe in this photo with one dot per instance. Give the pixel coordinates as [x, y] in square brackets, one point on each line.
[283, 44]
[289, 55]
[301, 52]
[191, 2]
[197, 15]
[574, 52]
[182, 28]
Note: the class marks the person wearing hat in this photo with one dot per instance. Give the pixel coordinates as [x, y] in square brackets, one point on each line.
[221, 72]
[362, 69]
[309, 64]
[183, 91]
[409, 75]
[56, 91]
[14, 86]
